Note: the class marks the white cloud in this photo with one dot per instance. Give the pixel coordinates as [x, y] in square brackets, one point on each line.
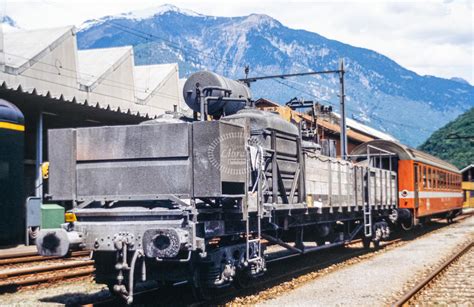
[429, 37]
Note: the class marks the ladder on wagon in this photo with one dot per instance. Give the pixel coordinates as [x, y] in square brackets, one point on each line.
[367, 209]
[371, 161]
[254, 242]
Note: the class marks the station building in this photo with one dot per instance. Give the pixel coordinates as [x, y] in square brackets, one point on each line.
[328, 127]
[468, 185]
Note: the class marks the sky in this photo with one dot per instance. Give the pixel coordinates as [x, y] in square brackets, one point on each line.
[430, 37]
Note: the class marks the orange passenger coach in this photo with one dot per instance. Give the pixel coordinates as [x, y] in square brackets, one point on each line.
[427, 186]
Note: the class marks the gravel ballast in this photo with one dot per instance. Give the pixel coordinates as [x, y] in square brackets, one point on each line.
[379, 280]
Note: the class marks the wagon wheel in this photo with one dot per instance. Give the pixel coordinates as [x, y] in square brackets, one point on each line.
[366, 242]
[407, 227]
[450, 217]
[200, 291]
[243, 280]
[320, 241]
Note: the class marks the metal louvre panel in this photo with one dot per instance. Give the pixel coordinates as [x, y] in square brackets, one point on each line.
[131, 179]
[219, 158]
[133, 142]
[62, 166]
[285, 146]
[120, 163]
[133, 162]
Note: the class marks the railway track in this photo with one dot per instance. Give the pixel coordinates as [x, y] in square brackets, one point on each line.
[33, 257]
[459, 275]
[287, 269]
[286, 274]
[26, 269]
[282, 276]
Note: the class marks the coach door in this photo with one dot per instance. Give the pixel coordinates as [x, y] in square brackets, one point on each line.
[417, 180]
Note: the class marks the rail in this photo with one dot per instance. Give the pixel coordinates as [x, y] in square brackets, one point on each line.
[422, 284]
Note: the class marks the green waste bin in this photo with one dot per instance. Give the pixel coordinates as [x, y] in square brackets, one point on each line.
[52, 216]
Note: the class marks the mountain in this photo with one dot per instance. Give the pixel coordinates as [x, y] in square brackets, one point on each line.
[455, 141]
[5, 19]
[8, 24]
[379, 92]
[461, 80]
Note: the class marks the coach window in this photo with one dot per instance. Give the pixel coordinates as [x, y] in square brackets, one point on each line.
[430, 178]
[433, 178]
[424, 177]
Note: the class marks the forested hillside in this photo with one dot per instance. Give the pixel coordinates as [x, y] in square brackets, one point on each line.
[455, 141]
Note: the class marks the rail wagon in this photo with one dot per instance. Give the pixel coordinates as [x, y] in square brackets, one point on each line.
[427, 186]
[179, 200]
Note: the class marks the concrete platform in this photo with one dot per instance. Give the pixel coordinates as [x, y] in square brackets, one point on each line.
[7, 252]
[374, 282]
[466, 211]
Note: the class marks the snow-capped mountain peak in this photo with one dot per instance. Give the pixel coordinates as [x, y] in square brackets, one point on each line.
[460, 80]
[159, 10]
[260, 20]
[8, 24]
[141, 14]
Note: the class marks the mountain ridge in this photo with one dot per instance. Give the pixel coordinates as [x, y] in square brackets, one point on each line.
[377, 88]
